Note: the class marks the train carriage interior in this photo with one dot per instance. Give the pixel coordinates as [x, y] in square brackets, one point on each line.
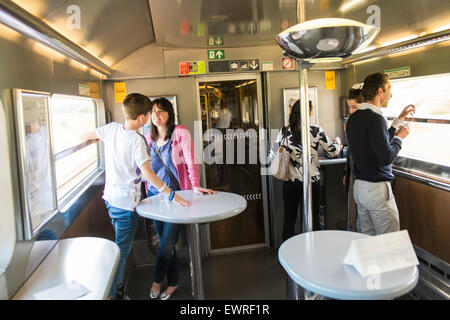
[66, 67]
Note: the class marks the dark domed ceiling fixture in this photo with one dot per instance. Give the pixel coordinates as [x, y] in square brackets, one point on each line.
[326, 40]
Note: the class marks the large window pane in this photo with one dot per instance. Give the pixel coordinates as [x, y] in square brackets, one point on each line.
[426, 145]
[428, 142]
[71, 117]
[71, 170]
[429, 95]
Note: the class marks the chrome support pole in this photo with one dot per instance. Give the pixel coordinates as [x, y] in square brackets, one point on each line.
[306, 149]
[195, 256]
[304, 115]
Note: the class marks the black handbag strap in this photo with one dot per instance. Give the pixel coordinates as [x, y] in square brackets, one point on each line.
[285, 138]
[172, 177]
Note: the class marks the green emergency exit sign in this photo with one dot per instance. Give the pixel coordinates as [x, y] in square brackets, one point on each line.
[216, 54]
[215, 41]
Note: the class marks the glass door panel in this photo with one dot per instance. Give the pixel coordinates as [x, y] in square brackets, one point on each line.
[230, 123]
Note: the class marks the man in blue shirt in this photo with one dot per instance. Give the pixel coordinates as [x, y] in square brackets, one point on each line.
[374, 149]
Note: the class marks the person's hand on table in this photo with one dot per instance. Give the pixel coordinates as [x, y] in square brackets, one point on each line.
[180, 201]
[201, 190]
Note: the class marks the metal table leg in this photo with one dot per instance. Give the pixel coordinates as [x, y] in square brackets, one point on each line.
[198, 292]
[296, 292]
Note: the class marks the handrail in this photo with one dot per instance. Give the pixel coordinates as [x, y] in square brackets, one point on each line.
[402, 46]
[425, 120]
[73, 149]
[408, 174]
[25, 23]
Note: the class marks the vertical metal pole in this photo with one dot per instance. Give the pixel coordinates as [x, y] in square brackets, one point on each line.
[195, 262]
[306, 144]
[306, 149]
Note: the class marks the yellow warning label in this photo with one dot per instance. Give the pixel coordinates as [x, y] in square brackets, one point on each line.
[330, 80]
[120, 91]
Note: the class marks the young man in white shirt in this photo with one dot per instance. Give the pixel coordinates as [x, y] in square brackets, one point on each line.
[126, 160]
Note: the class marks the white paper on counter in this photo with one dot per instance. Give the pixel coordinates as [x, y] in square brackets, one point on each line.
[66, 291]
[381, 253]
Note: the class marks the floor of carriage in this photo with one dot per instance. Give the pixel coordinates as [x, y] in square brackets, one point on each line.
[250, 275]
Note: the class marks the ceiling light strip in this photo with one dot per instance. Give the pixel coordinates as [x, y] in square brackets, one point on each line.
[25, 23]
[402, 46]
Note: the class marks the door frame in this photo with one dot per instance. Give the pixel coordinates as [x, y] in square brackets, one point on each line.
[199, 133]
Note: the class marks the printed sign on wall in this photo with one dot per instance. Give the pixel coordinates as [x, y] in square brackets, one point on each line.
[330, 80]
[120, 91]
[287, 63]
[218, 54]
[192, 67]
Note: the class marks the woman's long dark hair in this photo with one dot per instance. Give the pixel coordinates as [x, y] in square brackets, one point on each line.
[166, 105]
[295, 121]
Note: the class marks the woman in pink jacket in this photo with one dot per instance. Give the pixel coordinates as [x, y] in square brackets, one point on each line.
[174, 162]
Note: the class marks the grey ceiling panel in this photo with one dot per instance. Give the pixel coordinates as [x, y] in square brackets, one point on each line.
[110, 29]
[113, 29]
[188, 23]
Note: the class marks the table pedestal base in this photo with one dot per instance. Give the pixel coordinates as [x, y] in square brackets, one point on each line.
[193, 234]
[296, 292]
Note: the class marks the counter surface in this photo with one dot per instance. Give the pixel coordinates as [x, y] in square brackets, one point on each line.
[88, 261]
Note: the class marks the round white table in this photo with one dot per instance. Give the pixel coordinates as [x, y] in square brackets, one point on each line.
[204, 208]
[314, 261]
[88, 261]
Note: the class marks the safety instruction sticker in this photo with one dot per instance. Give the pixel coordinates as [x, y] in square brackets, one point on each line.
[287, 64]
[120, 91]
[192, 67]
[330, 80]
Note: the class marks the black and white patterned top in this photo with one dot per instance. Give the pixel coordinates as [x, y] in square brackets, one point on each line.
[318, 137]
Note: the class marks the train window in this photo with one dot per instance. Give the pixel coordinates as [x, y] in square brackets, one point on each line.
[74, 161]
[36, 169]
[426, 144]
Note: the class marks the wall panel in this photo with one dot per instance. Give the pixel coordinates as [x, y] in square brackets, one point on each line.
[425, 213]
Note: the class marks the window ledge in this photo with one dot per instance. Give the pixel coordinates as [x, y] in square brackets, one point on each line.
[422, 178]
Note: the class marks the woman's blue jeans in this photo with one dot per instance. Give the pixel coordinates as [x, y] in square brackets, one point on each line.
[125, 224]
[166, 260]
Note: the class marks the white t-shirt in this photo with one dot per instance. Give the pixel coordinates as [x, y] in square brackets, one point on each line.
[125, 152]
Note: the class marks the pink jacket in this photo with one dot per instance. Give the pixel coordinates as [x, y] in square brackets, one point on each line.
[183, 157]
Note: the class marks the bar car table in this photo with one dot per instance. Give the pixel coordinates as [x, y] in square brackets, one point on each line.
[92, 262]
[314, 261]
[204, 208]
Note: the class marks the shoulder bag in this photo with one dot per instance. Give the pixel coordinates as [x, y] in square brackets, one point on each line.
[279, 167]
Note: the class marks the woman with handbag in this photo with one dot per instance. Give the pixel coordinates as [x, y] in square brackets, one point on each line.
[290, 137]
[173, 160]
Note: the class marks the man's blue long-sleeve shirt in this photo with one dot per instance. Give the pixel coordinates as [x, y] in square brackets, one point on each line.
[373, 150]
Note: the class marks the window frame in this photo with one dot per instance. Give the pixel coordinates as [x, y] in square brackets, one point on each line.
[28, 231]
